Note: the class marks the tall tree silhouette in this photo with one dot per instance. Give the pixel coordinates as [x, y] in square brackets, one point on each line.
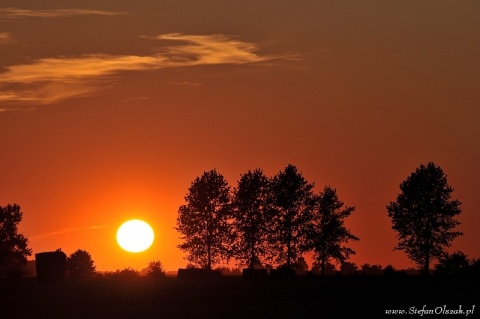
[80, 265]
[423, 215]
[250, 218]
[327, 231]
[204, 222]
[293, 202]
[13, 245]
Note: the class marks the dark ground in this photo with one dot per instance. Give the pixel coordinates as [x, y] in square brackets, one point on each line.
[232, 297]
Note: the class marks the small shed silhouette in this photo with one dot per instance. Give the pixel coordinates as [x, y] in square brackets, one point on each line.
[51, 266]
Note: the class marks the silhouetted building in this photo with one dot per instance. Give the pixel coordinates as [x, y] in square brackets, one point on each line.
[51, 266]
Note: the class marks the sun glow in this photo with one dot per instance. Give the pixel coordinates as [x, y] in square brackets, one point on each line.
[135, 236]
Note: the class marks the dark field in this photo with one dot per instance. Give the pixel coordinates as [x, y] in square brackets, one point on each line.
[232, 297]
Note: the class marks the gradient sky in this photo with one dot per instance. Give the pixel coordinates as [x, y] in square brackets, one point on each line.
[110, 109]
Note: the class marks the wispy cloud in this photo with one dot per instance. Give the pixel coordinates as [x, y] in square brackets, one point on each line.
[66, 231]
[70, 69]
[210, 49]
[5, 37]
[15, 13]
[54, 79]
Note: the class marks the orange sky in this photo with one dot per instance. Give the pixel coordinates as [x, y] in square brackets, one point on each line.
[109, 111]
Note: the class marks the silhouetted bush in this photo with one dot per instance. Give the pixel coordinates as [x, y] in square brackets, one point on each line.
[390, 272]
[348, 268]
[300, 267]
[127, 274]
[282, 273]
[457, 265]
[195, 273]
[155, 270]
[371, 270]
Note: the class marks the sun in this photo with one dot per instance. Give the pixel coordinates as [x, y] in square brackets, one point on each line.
[135, 236]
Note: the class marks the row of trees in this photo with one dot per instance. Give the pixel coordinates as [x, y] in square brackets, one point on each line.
[280, 218]
[80, 265]
[262, 220]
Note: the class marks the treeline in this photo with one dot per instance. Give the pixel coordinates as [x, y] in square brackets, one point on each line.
[80, 265]
[262, 220]
[277, 219]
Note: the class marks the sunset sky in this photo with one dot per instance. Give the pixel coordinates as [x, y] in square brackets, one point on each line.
[110, 109]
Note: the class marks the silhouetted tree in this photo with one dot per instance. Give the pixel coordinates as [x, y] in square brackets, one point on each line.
[80, 265]
[348, 268]
[204, 222]
[250, 218]
[155, 269]
[13, 245]
[327, 232]
[293, 202]
[453, 264]
[423, 215]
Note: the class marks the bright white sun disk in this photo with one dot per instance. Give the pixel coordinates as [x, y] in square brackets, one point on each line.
[135, 236]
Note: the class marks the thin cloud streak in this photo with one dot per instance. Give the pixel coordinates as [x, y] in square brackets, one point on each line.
[16, 13]
[187, 84]
[55, 79]
[47, 92]
[7, 110]
[67, 231]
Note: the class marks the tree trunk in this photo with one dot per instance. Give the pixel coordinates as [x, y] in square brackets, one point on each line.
[209, 244]
[426, 267]
[289, 251]
[209, 256]
[209, 251]
[289, 241]
[252, 256]
[323, 266]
